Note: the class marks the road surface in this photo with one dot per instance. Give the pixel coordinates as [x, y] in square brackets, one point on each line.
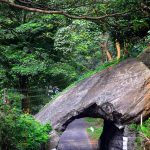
[75, 137]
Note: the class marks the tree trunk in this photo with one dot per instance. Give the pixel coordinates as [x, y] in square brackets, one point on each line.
[105, 51]
[109, 57]
[125, 50]
[118, 49]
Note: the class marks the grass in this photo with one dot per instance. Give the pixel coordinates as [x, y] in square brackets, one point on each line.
[94, 121]
[143, 133]
[97, 125]
[96, 134]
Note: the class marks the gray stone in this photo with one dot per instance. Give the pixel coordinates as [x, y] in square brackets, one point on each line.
[53, 142]
[119, 94]
[131, 135]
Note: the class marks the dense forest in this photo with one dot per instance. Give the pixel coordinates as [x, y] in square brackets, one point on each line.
[45, 46]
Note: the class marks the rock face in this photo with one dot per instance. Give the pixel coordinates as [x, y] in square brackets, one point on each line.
[118, 94]
[145, 56]
[114, 138]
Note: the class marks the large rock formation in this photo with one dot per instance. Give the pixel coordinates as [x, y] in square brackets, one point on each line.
[118, 94]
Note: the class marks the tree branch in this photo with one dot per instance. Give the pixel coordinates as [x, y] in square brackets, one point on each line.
[61, 12]
[64, 6]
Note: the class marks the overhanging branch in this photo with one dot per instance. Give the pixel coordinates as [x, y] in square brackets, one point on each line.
[61, 12]
[73, 4]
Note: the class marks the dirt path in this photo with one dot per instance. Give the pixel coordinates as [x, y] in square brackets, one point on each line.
[75, 137]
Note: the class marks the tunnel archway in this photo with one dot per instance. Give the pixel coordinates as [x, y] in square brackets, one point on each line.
[111, 138]
[76, 137]
[115, 136]
[119, 95]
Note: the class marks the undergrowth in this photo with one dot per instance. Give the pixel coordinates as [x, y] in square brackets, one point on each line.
[143, 134]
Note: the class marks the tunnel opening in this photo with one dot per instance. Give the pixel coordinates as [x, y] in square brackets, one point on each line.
[78, 135]
[106, 111]
[111, 136]
[81, 134]
[114, 135]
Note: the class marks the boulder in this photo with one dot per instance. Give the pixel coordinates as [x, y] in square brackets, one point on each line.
[120, 94]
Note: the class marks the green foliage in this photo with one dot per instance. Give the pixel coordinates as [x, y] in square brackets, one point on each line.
[78, 43]
[53, 50]
[27, 56]
[97, 126]
[143, 132]
[96, 134]
[136, 49]
[38, 51]
[28, 65]
[145, 128]
[27, 46]
[21, 132]
[14, 98]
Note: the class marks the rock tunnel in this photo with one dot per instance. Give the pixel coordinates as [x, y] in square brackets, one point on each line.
[119, 95]
[113, 130]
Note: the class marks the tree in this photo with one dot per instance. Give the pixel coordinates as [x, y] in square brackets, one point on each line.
[21, 131]
[47, 57]
[34, 53]
[34, 6]
[78, 43]
[26, 50]
[121, 18]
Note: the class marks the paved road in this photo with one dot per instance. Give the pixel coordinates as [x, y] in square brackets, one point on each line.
[75, 137]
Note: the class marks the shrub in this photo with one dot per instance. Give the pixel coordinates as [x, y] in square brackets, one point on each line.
[21, 131]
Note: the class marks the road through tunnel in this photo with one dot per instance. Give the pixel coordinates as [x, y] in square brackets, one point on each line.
[112, 137]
